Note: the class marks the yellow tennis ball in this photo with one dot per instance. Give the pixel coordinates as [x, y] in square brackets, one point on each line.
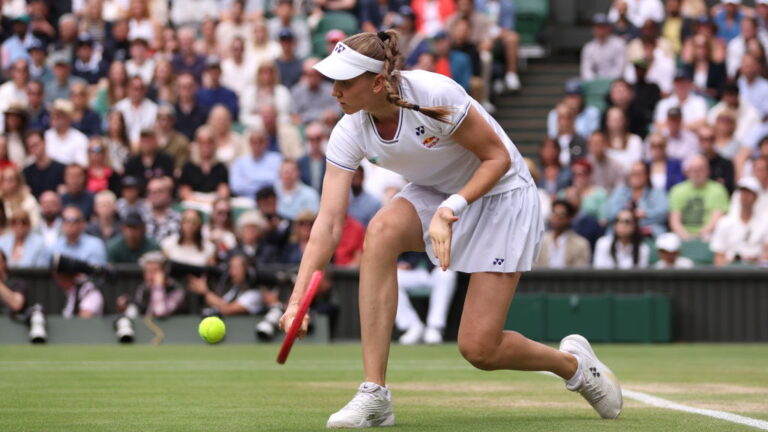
[212, 329]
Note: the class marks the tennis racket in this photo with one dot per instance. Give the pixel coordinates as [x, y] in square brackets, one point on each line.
[293, 330]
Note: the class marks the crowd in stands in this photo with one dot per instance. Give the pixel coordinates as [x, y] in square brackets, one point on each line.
[658, 152]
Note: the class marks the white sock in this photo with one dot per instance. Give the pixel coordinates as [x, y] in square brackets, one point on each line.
[575, 381]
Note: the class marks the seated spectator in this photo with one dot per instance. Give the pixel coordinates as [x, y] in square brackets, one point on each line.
[294, 196]
[289, 66]
[138, 111]
[14, 90]
[114, 90]
[162, 220]
[21, 246]
[235, 294]
[760, 172]
[116, 139]
[668, 246]
[545, 201]
[707, 71]
[76, 193]
[681, 143]
[741, 237]
[302, 227]
[725, 142]
[150, 161]
[414, 270]
[130, 197]
[16, 195]
[593, 198]
[638, 103]
[746, 115]
[624, 147]
[190, 114]
[100, 176]
[63, 143]
[157, 295]
[39, 117]
[693, 108]
[206, 44]
[186, 59]
[637, 11]
[88, 63]
[40, 69]
[203, 173]
[752, 84]
[649, 204]
[650, 64]
[50, 218]
[252, 172]
[15, 128]
[104, 224]
[624, 249]
[74, 242]
[282, 135]
[44, 173]
[251, 227]
[572, 145]
[214, 93]
[238, 72]
[171, 141]
[737, 46]
[234, 25]
[606, 172]
[720, 168]
[140, 62]
[586, 119]
[555, 177]
[162, 90]
[188, 245]
[451, 62]
[220, 229]
[261, 48]
[132, 242]
[561, 247]
[311, 96]
[84, 118]
[665, 172]
[288, 18]
[312, 164]
[84, 299]
[604, 56]
[362, 205]
[278, 228]
[677, 27]
[266, 90]
[697, 203]
[230, 145]
[59, 87]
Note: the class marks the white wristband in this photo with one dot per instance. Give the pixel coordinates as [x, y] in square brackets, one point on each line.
[455, 202]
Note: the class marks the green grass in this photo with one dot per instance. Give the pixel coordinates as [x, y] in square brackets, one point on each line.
[241, 388]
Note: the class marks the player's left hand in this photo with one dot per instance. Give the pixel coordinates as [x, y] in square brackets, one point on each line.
[440, 235]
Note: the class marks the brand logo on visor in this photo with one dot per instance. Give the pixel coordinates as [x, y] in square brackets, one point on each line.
[339, 48]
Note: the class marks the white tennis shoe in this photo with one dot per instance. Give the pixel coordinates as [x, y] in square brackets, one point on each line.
[371, 407]
[596, 383]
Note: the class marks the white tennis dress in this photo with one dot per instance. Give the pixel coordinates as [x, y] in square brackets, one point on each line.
[500, 232]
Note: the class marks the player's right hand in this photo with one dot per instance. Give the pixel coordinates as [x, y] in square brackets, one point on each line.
[287, 319]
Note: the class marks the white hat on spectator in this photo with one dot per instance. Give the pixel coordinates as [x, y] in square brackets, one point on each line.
[252, 217]
[152, 257]
[668, 242]
[750, 184]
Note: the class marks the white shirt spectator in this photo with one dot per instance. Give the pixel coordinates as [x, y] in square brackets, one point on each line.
[694, 108]
[238, 76]
[9, 93]
[137, 118]
[187, 254]
[756, 93]
[661, 72]
[192, 11]
[146, 70]
[682, 146]
[71, 147]
[89, 298]
[250, 299]
[603, 60]
[747, 118]
[734, 237]
[629, 155]
[735, 52]
[681, 262]
[300, 31]
[639, 11]
[604, 260]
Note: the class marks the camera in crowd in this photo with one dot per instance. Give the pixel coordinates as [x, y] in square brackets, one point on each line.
[68, 265]
[181, 270]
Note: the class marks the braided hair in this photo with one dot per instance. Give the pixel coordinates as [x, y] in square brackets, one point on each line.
[385, 46]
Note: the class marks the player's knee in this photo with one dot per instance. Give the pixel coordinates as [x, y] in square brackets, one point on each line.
[479, 354]
[381, 231]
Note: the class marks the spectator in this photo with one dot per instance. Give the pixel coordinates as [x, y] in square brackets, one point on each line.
[312, 164]
[44, 173]
[230, 145]
[648, 204]
[266, 90]
[652, 55]
[187, 60]
[190, 115]
[697, 203]
[414, 270]
[720, 168]
[708, 72]
[668, 246]
[482, 66]
[586, 118]
[15, 126]
[760, 172]
[278, 228]
[84, 119]
[297, 243]
[192, 13]
[234, 26]
[261, 48]
[349, 252]
[681, 143]
[405, 23]
[99, 172]
[604, 57]
[132, 242]
[431, 15]
[290, 67]
[376, 15]
[92, 22]
[282, 135]
[63, 143]
[728, 19]
[624, 146]
[294, 196]
[50, 215]
[21, 246]
[15, 89]
[171, 141]
[130, 197]
[88, 64]
[450, 62]
[76, 194]
[150, 161]
[162, 220]
[753, 85]
[59, 87]
[104, 224]
[677, 27]
[140, 21]
[117, 142]
[312, 96]
[561, 247]
[251, 227]
[737, 47]
[693, 108]
[238, 72]
[250, 173]
[115, 89]
[188, 245]
[545, 201]
[606, 172]
[638, 103]
[74, 242]
[138, 112]
[158, 295]
[555, 177]
[593, 198]
[747, 117]
[572, 145]
[39, 68]
[13, 47]
[725, 142]
[624, 249]
[638, 11]
[287, 18]
[84, 299]
[39, 117]
[362, 205]
[220, 229]
[213, 93]
[117, 47]
[203, 173]
[163, 87]
[206, 44]
[16, 195]
[741, 237]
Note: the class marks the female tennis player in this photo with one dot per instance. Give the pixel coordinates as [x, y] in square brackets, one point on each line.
[471, 204]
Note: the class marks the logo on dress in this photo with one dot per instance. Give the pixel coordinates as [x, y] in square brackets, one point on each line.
[498, 261]
[374, 160]
[430, 142]
[419, 130]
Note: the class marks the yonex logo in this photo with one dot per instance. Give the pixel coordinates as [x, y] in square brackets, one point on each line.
[498, 261]
[339, 48]
[595, 373]
[419, 130]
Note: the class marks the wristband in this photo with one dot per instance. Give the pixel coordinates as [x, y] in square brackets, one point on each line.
[456, 203]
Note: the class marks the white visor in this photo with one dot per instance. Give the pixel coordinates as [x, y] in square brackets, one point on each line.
[345, 63]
